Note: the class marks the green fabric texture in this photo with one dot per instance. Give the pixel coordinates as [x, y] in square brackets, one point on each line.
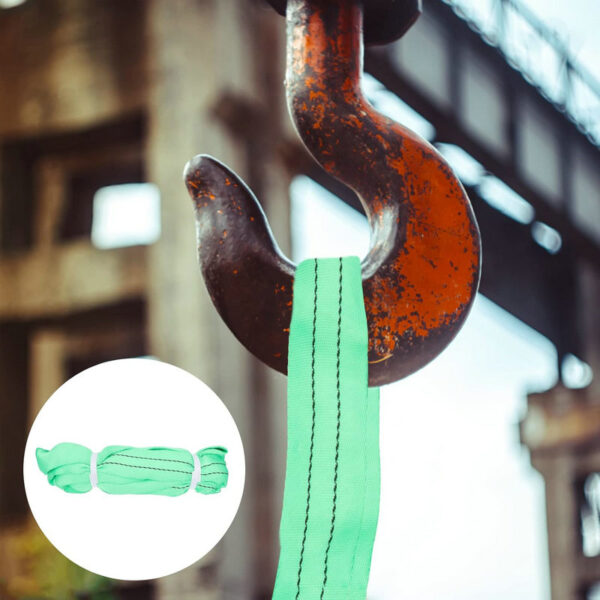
[331, 497]
[128, 470]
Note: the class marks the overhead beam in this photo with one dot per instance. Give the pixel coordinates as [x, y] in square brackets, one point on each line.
[67, 278]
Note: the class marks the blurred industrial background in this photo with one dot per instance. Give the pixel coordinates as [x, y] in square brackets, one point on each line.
[491, 455]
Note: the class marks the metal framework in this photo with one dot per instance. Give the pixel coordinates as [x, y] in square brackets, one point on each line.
[545, 62]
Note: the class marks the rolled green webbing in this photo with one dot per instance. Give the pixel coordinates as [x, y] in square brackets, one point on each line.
[128, 470]
[331, 496]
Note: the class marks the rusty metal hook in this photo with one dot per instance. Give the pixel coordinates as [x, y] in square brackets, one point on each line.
[421, 273]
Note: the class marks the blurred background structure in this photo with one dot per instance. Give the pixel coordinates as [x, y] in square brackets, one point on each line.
[102, 104]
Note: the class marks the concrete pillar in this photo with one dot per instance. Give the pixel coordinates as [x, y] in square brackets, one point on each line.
[562, 515]
[199, 51]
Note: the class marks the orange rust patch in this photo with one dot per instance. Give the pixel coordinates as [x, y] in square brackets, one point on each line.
[440, 257]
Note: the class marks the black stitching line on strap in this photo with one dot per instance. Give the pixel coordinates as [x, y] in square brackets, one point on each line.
[337, 436]
[152, 468]
[183, 462]
[312, 431]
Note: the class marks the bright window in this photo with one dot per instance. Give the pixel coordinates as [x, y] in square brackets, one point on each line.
[126, 215]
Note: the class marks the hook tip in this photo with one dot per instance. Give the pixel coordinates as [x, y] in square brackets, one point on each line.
[203, 172]
[194, 167]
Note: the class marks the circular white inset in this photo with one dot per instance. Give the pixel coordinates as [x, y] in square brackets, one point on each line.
[141, 403]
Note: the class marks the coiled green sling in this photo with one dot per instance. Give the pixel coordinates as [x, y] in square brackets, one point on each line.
[331, 498]
[127, 470]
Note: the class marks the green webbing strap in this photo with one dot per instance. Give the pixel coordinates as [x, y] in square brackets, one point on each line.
[331, 498]
[126, 470]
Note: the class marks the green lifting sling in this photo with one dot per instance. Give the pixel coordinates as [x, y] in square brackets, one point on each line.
[331, 498]
[128, 470]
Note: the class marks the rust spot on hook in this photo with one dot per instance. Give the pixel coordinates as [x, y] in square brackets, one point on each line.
[422, 271]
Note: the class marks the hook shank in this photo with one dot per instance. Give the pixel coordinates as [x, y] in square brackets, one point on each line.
[422, 271]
